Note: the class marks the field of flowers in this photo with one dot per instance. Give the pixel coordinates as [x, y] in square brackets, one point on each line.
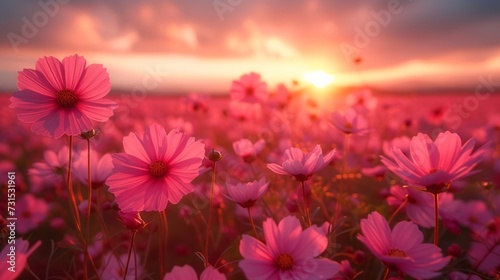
[263, 183]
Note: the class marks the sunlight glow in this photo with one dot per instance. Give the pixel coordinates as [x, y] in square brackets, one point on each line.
[319, 78]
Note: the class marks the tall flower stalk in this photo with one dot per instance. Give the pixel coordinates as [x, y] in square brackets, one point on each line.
[75, 214]
[433, 165]
[302, 167]
[214, 156]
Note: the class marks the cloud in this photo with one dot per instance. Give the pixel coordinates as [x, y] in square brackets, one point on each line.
[448, 31]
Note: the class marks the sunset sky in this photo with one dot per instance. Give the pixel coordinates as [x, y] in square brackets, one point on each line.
[202, 45]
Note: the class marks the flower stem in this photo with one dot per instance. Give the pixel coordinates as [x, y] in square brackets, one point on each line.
[436, 219]
[338, 207]
[210, 210]
[163, 237]
[386, 274]
[89, 198]
[307, 211]
[129, 254]
[75, 215]
[253, 224]
[71, 195]
[397, 210]
[73, 206]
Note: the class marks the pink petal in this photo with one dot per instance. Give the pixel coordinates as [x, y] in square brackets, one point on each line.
[61, 122]
[449, 145]
[211, 273]
[98, 110]
[53, 70]
[318, 268]
[288, 235]
[253, 249]
[424, 153]
[311, 244]
[177, 189]
[406, 235]
[294, 167]
[134, 146]
[376, 234]
[276, 169]
[271, 237]
[185, 272]
[259, 270]
[74, 66]
[94, 83]
[31, 106]
[294, 153]
[30, 79]
[129, 164]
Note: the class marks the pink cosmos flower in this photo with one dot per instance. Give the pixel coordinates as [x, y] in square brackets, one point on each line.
[247, 150]
[114, 267]
[485, 249]
[281, 96]
[197, 102]
[484, 256]
[52, 171]
[435, 164]
[302, 166]
[249, 88]
[246, 194]
[243, 111]
[474, 215]
[419, 206]
[402, 248]
[100, 168]
[156, 168]
[346, 272]
[289, 252]
[32, 212]
[22, 254]
[186, 272]
[350, 123]
[362, 101]
[457, 275]
[402, 142]
[180, 123]
[63, 97]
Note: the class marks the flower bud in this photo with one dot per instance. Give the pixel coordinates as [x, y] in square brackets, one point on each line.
[454, 250]
[214, 155]
[131, 220]
[87, 135]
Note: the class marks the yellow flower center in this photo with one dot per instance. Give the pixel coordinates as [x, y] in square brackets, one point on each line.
[285, 261]
[66, 98]
[158, 168]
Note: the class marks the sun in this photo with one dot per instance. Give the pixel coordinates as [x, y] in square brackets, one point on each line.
[319, 79]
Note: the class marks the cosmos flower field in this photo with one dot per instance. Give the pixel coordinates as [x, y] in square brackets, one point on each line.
[260, 183]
